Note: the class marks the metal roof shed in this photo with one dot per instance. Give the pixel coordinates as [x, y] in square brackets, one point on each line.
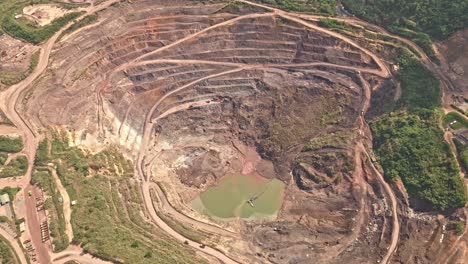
[4, 199]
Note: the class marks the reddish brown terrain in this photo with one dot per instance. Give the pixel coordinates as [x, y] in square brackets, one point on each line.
[192, 91]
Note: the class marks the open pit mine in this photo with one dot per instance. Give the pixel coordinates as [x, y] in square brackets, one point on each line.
[215, 132]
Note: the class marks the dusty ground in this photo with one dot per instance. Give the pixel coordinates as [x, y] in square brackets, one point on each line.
[237, 113]
[15, 58]
[194, 91]
[455, 64]
[44, 14]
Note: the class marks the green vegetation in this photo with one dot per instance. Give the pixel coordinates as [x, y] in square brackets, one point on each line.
[11, 145]
[54, 207]
[107, 218]
[460, 227]
[72, 262]
[462, 152]
[25, 30]
[339, 139]
[42, 153]
[17, 167]
[228, 199]
[325, 7]
[10, 191]
[410, 146]
[438, 18]
[336, 25]
[452, 116]
[418, 20]
[7, 254]
[459, 109]
[420, 89]
[187, 232]
[409, 141]
[79, 24]
[3, 158]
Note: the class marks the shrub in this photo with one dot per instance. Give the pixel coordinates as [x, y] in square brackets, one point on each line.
[3, 158]
[17, 167]
[326, 7]
[10, 191]
[439, 18]
[420, 89]
[42, 153]
[410, 146]
[460, 227]
[79, 24]
[11, 145]
[35, 35]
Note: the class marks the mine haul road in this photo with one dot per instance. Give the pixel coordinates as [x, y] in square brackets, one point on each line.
[14, 244]
[383, 71]
[8, 101]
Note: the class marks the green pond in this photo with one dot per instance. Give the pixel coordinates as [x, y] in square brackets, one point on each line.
[230, 199]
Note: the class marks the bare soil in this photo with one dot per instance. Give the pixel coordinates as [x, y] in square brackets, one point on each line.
[195, 91]
[44, 14]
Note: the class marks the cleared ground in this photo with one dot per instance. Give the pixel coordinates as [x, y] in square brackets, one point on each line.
[199, 95]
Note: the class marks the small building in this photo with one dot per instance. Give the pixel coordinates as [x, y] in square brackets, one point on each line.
[22, 227]
[4, 199]
[73, 202]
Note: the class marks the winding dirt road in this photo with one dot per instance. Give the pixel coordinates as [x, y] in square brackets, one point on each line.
[197, 246]
[364, 127]
[8, 101]
[14, 244]
[383, 71]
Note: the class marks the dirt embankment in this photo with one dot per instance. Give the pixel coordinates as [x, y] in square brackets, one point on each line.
[179, 85]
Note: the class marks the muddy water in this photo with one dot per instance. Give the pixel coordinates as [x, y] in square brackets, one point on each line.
[229, 199]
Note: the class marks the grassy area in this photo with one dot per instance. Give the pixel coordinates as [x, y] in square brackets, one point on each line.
[452, 116]
[7, 254]
[325, 7]
[17, 167]
[410, 147]
[107, 219]
[54, 207]
[79, 24]
[10, 144]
